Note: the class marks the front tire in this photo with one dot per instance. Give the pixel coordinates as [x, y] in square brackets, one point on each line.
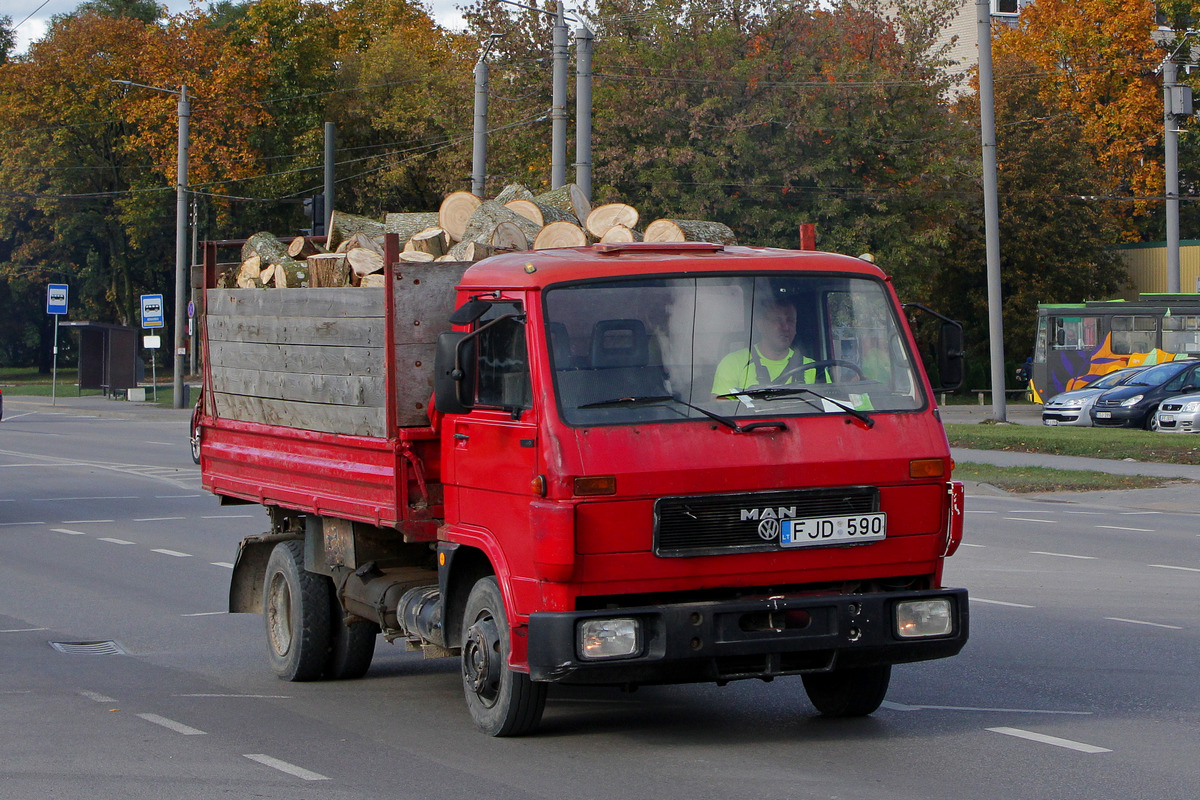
[502, 702]
[848, 692]
[351, 646]
[296, 606]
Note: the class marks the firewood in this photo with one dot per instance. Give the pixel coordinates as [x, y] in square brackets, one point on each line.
[406, 225]
[540, 214]
[416, 255]
[689, 230]
[329, 269]
[560, 234]
[364, 260]
[514, 191]
[302, 247]
[264, 245]
[507, 235]
[431, 240]
[604, 217]
[568, 197]
[342, 226]
[267, 276]
[455, 212]
[470, 251]
[375, 280]
[488, 216]
[620, 233]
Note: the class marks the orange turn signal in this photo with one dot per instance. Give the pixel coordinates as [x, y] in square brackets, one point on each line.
[926, 468]
[595, 485]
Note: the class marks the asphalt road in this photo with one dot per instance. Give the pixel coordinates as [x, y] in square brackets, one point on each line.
[1080, 680]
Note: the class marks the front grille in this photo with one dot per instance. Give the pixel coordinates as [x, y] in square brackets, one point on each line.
[1172, 406]
[1108, 403]
[722, 523]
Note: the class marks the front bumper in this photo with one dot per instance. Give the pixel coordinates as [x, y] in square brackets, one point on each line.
[1179, 422]
[1120, 417]
[1065, 416]
[737, 639]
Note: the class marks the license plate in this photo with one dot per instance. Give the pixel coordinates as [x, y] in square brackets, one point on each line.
[1049, 422]
[1166, 417]
[833, 530]
[1103, 415]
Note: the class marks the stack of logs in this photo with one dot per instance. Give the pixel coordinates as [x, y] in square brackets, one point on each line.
[464, 228]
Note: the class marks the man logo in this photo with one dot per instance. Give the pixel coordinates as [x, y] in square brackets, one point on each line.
[768, 529]
[783, 512]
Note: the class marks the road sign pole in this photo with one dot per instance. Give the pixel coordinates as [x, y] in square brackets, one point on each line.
[54, 369]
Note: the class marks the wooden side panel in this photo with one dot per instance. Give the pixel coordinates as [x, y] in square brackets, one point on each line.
[424, 301]
[302, 358]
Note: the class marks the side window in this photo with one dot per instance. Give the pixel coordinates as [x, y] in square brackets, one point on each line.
[504, 366]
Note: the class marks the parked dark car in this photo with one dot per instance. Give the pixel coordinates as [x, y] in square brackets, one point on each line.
[1074, 407]
[1133, 404]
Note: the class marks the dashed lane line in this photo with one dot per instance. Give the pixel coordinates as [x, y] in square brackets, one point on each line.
[1042, 738]
[1142, 622]
[170, 724]
[85, 521]
[111, 540]
[1171, 566]
[156, 519]
[1029, 519]
[68, 531]
[1121, 528]
[224, 564]
[96, 697]
[1000, 603]
[906, 707]
[174, 553]
[283, 766]
[1061, 555]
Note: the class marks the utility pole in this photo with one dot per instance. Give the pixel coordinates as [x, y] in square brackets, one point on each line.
[991, 209]
[558, 107]
[479, 151]
[330, 143]
[583, 109]
[1171, 168]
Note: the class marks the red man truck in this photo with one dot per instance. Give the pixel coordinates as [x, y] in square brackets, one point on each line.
[612, 465]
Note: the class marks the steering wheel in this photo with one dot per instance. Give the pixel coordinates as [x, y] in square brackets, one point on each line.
[800, 369]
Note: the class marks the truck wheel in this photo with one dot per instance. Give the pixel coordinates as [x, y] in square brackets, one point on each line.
[296, 609]
[351, 647]
[848, 692]
[194, 441]
[502, 702]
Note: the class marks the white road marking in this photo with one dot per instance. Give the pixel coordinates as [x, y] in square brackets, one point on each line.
[1140, 622]
[97, 697]
[224, 564]
[1169, 566]
[68, 531]
[240, 696]
[8, 524]
[968, 544]
[1061, 555]
[1119, 528]
[1093, 513]
[206, 614]
[283, 766]
[1027, 519]
[1054, 740]
[85, 521]
[973, 511]
[1138, 513]
[156, 519]
[113, 541]
[173, 496]
[231, 516]
[61, 499]
[999, 603]
[23, 630]
[1036, 511]
[167, 444]
[171, 724]
[175, 553]
[904, 707]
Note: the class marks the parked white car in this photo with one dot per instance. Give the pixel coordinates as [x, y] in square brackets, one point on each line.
[1071, 408]
[1179, 414]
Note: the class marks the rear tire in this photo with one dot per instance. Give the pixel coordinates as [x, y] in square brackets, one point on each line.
[296, 606]
[351, 647]
[848, 692]
[502, 702]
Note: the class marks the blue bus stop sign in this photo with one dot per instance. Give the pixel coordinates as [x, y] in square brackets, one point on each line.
[56, 298]
[152, 311]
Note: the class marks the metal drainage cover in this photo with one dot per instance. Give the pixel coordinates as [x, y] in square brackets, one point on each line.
[89, 648]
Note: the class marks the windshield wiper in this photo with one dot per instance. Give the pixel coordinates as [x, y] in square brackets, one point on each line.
[779, 392]
[646, 400]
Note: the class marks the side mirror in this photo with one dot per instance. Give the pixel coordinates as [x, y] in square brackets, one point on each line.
[950, 354]
[454, 373]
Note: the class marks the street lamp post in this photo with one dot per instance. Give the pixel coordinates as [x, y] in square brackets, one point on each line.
[184, 112]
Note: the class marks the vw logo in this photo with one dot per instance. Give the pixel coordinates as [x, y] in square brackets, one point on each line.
[768, 529]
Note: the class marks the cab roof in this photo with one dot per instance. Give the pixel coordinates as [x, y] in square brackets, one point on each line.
[539, 268]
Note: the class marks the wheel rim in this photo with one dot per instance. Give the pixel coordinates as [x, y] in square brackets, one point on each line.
[196, 442]
[481, 659]
[279, 615]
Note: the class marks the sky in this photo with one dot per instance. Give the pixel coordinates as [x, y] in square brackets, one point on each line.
[32, 16]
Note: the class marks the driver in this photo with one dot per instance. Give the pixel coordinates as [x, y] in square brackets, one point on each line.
[769, 357]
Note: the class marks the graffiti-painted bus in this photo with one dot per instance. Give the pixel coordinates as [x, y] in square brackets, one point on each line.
[1077, 343]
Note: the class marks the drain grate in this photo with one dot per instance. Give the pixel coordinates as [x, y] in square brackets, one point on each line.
[89, 648]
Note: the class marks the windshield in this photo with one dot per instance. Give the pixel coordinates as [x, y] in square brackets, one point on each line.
[1156, 375]
[1112, 379]
[736, 346]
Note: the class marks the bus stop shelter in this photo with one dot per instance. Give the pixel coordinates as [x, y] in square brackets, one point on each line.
[107, 355]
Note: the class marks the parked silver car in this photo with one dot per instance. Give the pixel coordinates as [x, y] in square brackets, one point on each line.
[1179, 414]
[1071, 408]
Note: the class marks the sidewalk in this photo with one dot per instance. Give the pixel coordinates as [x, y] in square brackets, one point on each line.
[95, 405]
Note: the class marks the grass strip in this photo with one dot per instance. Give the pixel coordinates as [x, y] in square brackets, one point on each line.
[1108, 443]
[1023, 480]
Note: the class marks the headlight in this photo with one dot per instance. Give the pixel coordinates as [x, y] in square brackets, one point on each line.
[609, 638]
[1071, 403]
[1132, 401]
[919, 618]
[1192, 407]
